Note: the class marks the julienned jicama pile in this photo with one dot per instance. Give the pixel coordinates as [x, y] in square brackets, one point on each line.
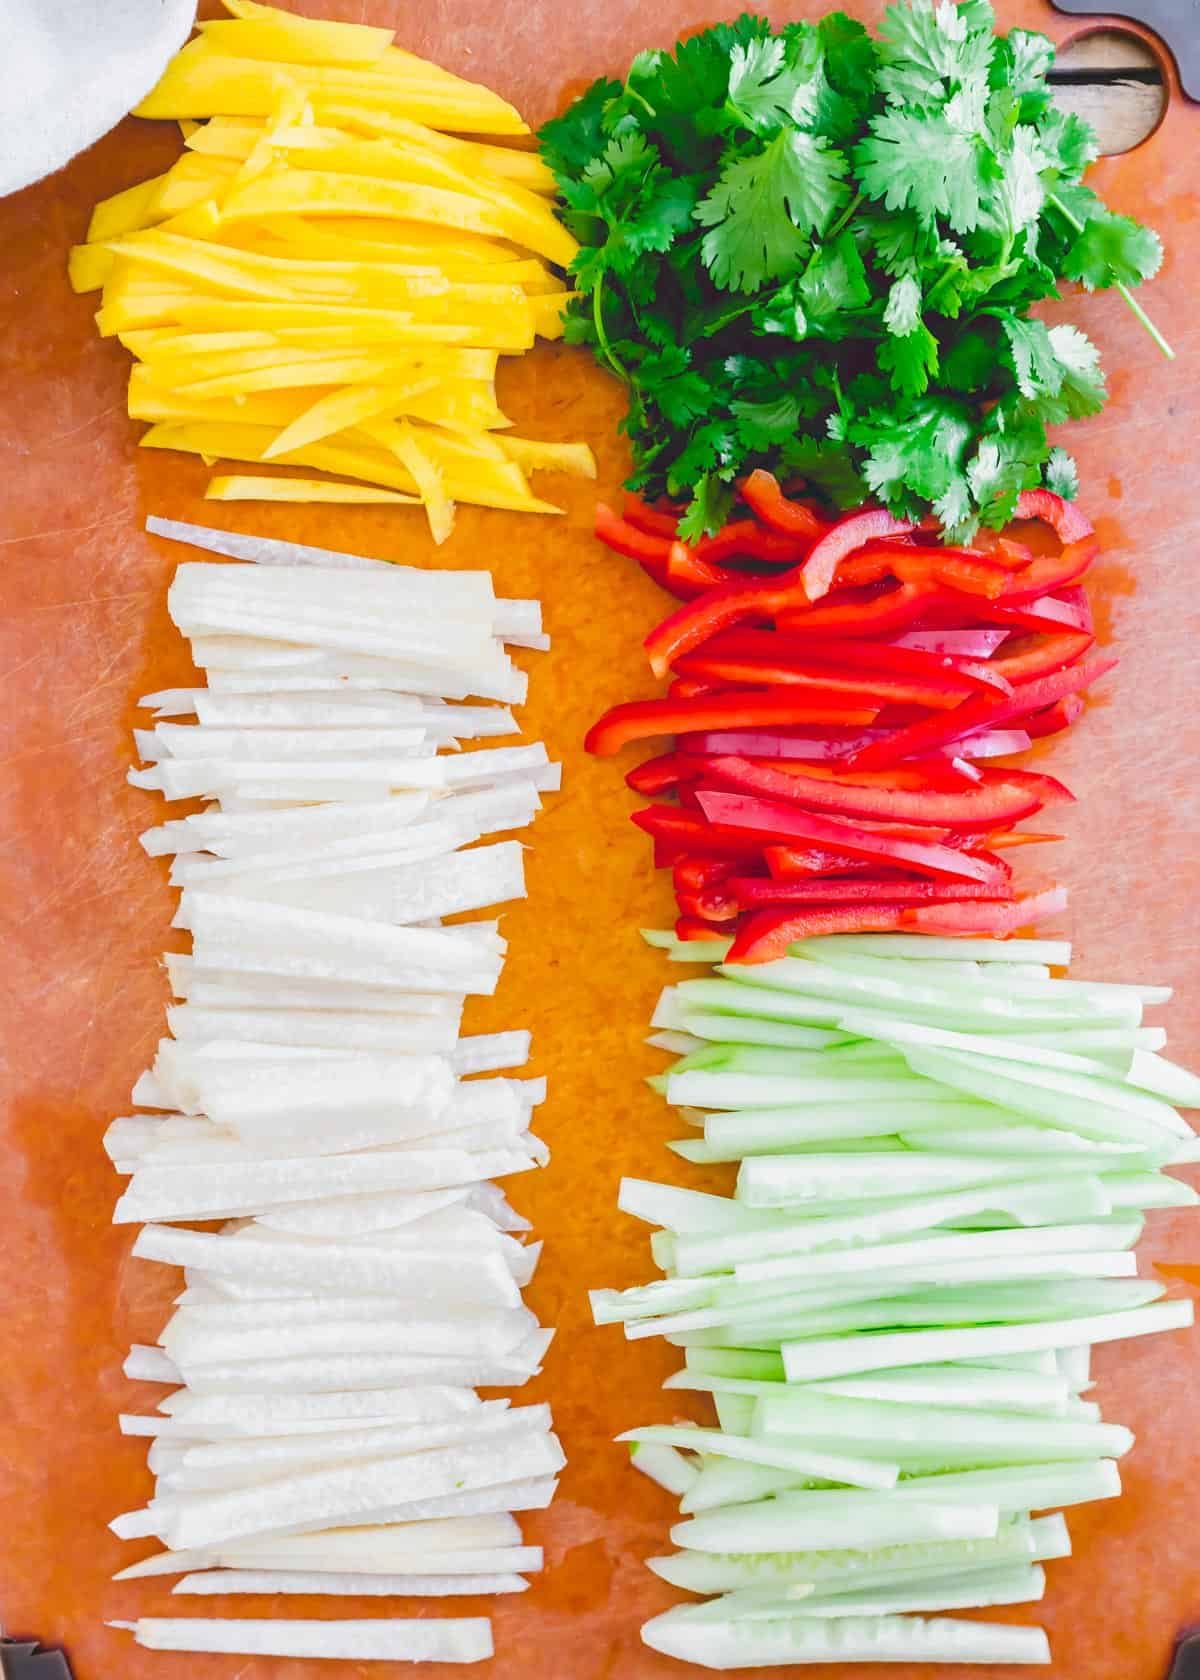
[324, 1434]
[945, 1158]
[329, 274]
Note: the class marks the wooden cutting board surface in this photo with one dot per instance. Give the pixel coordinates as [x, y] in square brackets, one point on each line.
[84, 914]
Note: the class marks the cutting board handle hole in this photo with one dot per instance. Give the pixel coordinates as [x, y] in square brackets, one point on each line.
[1115, 80]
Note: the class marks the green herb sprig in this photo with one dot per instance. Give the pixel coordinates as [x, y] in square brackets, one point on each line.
[817, 251]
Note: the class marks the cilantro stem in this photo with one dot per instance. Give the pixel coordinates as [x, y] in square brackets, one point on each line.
[610, 355]
[844, 217]
[1123, 290]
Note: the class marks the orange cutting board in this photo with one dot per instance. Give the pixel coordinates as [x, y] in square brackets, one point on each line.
[85, 914]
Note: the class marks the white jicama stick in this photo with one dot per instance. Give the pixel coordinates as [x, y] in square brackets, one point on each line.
[281, 1581]
[466, 1640]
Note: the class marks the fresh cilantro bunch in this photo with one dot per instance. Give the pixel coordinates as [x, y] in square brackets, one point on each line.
[817, 251]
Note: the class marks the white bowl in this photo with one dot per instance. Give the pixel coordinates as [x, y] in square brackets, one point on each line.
[71, 69]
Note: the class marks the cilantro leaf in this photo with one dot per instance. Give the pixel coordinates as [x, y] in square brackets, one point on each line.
[1068, 144]
[763, 424]
[769, 87]
[922, 162]
[903, 312]
[1061, 474]
[570, 142]
[764, 206]
[1030, 349]
[708, 510]
[911, 359]
[916, 452]
[1022, 62]
[1083, 390]
[1113, 249]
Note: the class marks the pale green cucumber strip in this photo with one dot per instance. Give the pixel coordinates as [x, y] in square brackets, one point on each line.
[678, 1209]
[686, 950]
[782, 1180]
[945, 1247]
[1037, 1139]
[703, 1153]
[758, 1130]
[794, 1456]
[906, 1639]
[718, 1088]
[930, 1385]
[763, 1366]
[1100, 1040]
[735, 1413]
[1176, 1085]
[714, 1249]
[925, 947]
[896, 1030]
[1075, 1366]
[863, 1055]
[1071, 1101]
[666, 1466]
[807, 1361]
[1147, 1190]
[1018, 1541]
[749, 1029]
[888, 1424]
[673, 1043]
[974, 1590]
[963, 1007]
[835, 1521]
[935, 970]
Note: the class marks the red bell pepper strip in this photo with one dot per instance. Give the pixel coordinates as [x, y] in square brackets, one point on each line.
[852, 656]
[762, 494]
[709, 904]
[655, 521]
[869, 688]
[771, 933]
[752, 893]
[746, 539]
[870, 612]
[688, 575]
[998, 919]
[773, 820]
[1063, 517]
[1047, 790]
[1051, 572]
[689, 931]
[982, 711]
[640, 720]
[692, 834]
[841, 540]
[618, 534]
[1060, 716]
[1005, 842]
[1047, 654]
[962, 569]
[691, 873]
[994, 802]
[658, 775]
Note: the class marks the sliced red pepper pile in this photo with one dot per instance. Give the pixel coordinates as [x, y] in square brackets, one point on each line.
[839, 692]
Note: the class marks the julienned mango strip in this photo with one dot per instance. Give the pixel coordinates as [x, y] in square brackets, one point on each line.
[463, 406]
[341, 408]
[348, 460]
[125, 211]
[290, 39]
[427, 475]
[253, 487]
[202, 83]
[532, 456]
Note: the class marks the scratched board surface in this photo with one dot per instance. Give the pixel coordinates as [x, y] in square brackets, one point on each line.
[84, 914]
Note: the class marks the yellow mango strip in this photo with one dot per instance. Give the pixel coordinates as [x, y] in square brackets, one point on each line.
[357, 335]
[549, 314]
[322, 192]
[461, 407]
[340, 409]
[533, 456]
[88, 267]
[347, 460]
[198, 221]
[442, 361]
[192, 180]
[472, 448]
[297, 40]
[148, 400]
[249, 274]
[526, 169]
[201, 83]
[290, 114]
[152, 343]
[187, 127]
[427, 475]
[125, 211]
[218, 314]
[358, 238]
[232, 137]
[300, 369]
[247, 487]
[506, 163]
